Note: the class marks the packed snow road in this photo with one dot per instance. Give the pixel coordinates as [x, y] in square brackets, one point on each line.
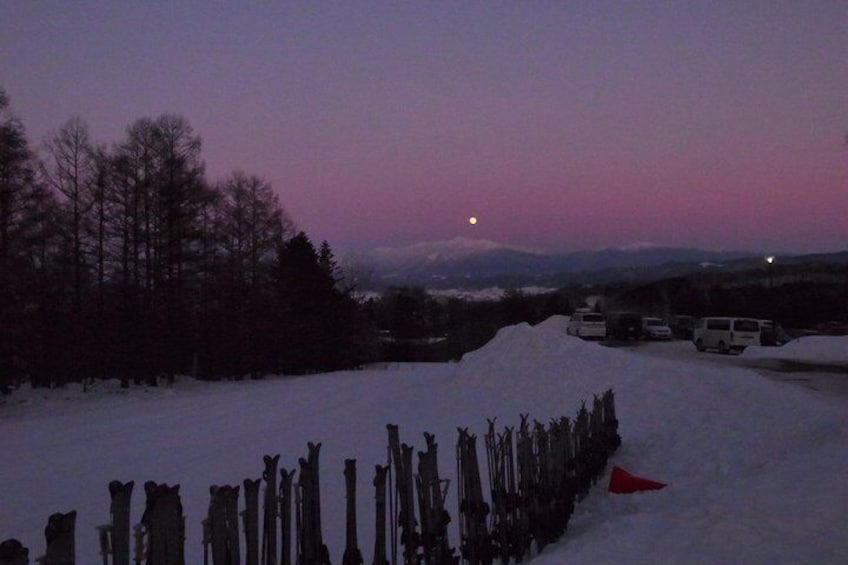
[817, 371]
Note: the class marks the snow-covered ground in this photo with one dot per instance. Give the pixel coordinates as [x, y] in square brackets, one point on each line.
[756, 468]
[811, 349]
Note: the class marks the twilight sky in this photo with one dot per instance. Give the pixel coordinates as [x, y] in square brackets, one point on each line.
[560, 125]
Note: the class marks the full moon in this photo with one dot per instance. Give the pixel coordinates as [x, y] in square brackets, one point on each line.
[472, 220]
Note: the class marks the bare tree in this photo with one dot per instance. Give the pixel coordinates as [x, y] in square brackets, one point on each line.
[70, 169]
[249, 227]
[253, 224]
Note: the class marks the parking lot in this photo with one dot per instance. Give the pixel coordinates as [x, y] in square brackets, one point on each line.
[826, 377]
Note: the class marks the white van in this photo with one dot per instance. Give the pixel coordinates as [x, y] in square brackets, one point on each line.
[726, 334]
[588, 325]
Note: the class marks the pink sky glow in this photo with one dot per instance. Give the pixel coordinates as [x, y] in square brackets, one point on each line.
[560, 125]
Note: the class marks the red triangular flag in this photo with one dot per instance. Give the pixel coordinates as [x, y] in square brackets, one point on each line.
[622, 482]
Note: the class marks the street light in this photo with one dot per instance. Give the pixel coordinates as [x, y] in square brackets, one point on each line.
[769, 261]
[771, 301]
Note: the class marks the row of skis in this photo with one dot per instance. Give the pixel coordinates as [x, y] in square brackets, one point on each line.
[536, 474]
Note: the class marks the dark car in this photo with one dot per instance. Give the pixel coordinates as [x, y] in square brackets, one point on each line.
[682, 326]
[770, 334]
[624, 325]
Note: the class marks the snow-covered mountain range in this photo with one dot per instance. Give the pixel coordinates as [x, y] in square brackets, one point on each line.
[471, 262]
[434, 252]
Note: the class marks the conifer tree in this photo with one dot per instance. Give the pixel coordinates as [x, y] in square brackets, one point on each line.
[27, 218]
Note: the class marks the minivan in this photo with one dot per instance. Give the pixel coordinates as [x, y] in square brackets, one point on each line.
[588, 325]
[726, 334]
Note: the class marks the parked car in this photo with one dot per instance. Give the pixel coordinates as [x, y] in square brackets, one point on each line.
[588, 325]
[655, 328]
[682, 326]
[726, 334]
[772, 334]
[624, 325]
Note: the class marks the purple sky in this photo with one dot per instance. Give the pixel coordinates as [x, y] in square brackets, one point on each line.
[560, 125]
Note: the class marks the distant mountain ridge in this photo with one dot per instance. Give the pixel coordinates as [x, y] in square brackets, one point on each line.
[475, 263]
[436, 252]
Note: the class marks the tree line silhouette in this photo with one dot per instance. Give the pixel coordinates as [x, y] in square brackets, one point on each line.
[124, 261]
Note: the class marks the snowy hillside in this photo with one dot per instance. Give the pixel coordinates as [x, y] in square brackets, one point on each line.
[755, 468]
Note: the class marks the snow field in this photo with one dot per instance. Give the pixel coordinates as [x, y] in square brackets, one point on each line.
[755, 468]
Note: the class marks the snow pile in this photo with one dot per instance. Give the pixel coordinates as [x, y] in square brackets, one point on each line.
[810, 349]
[755, 468]
[521, 362]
